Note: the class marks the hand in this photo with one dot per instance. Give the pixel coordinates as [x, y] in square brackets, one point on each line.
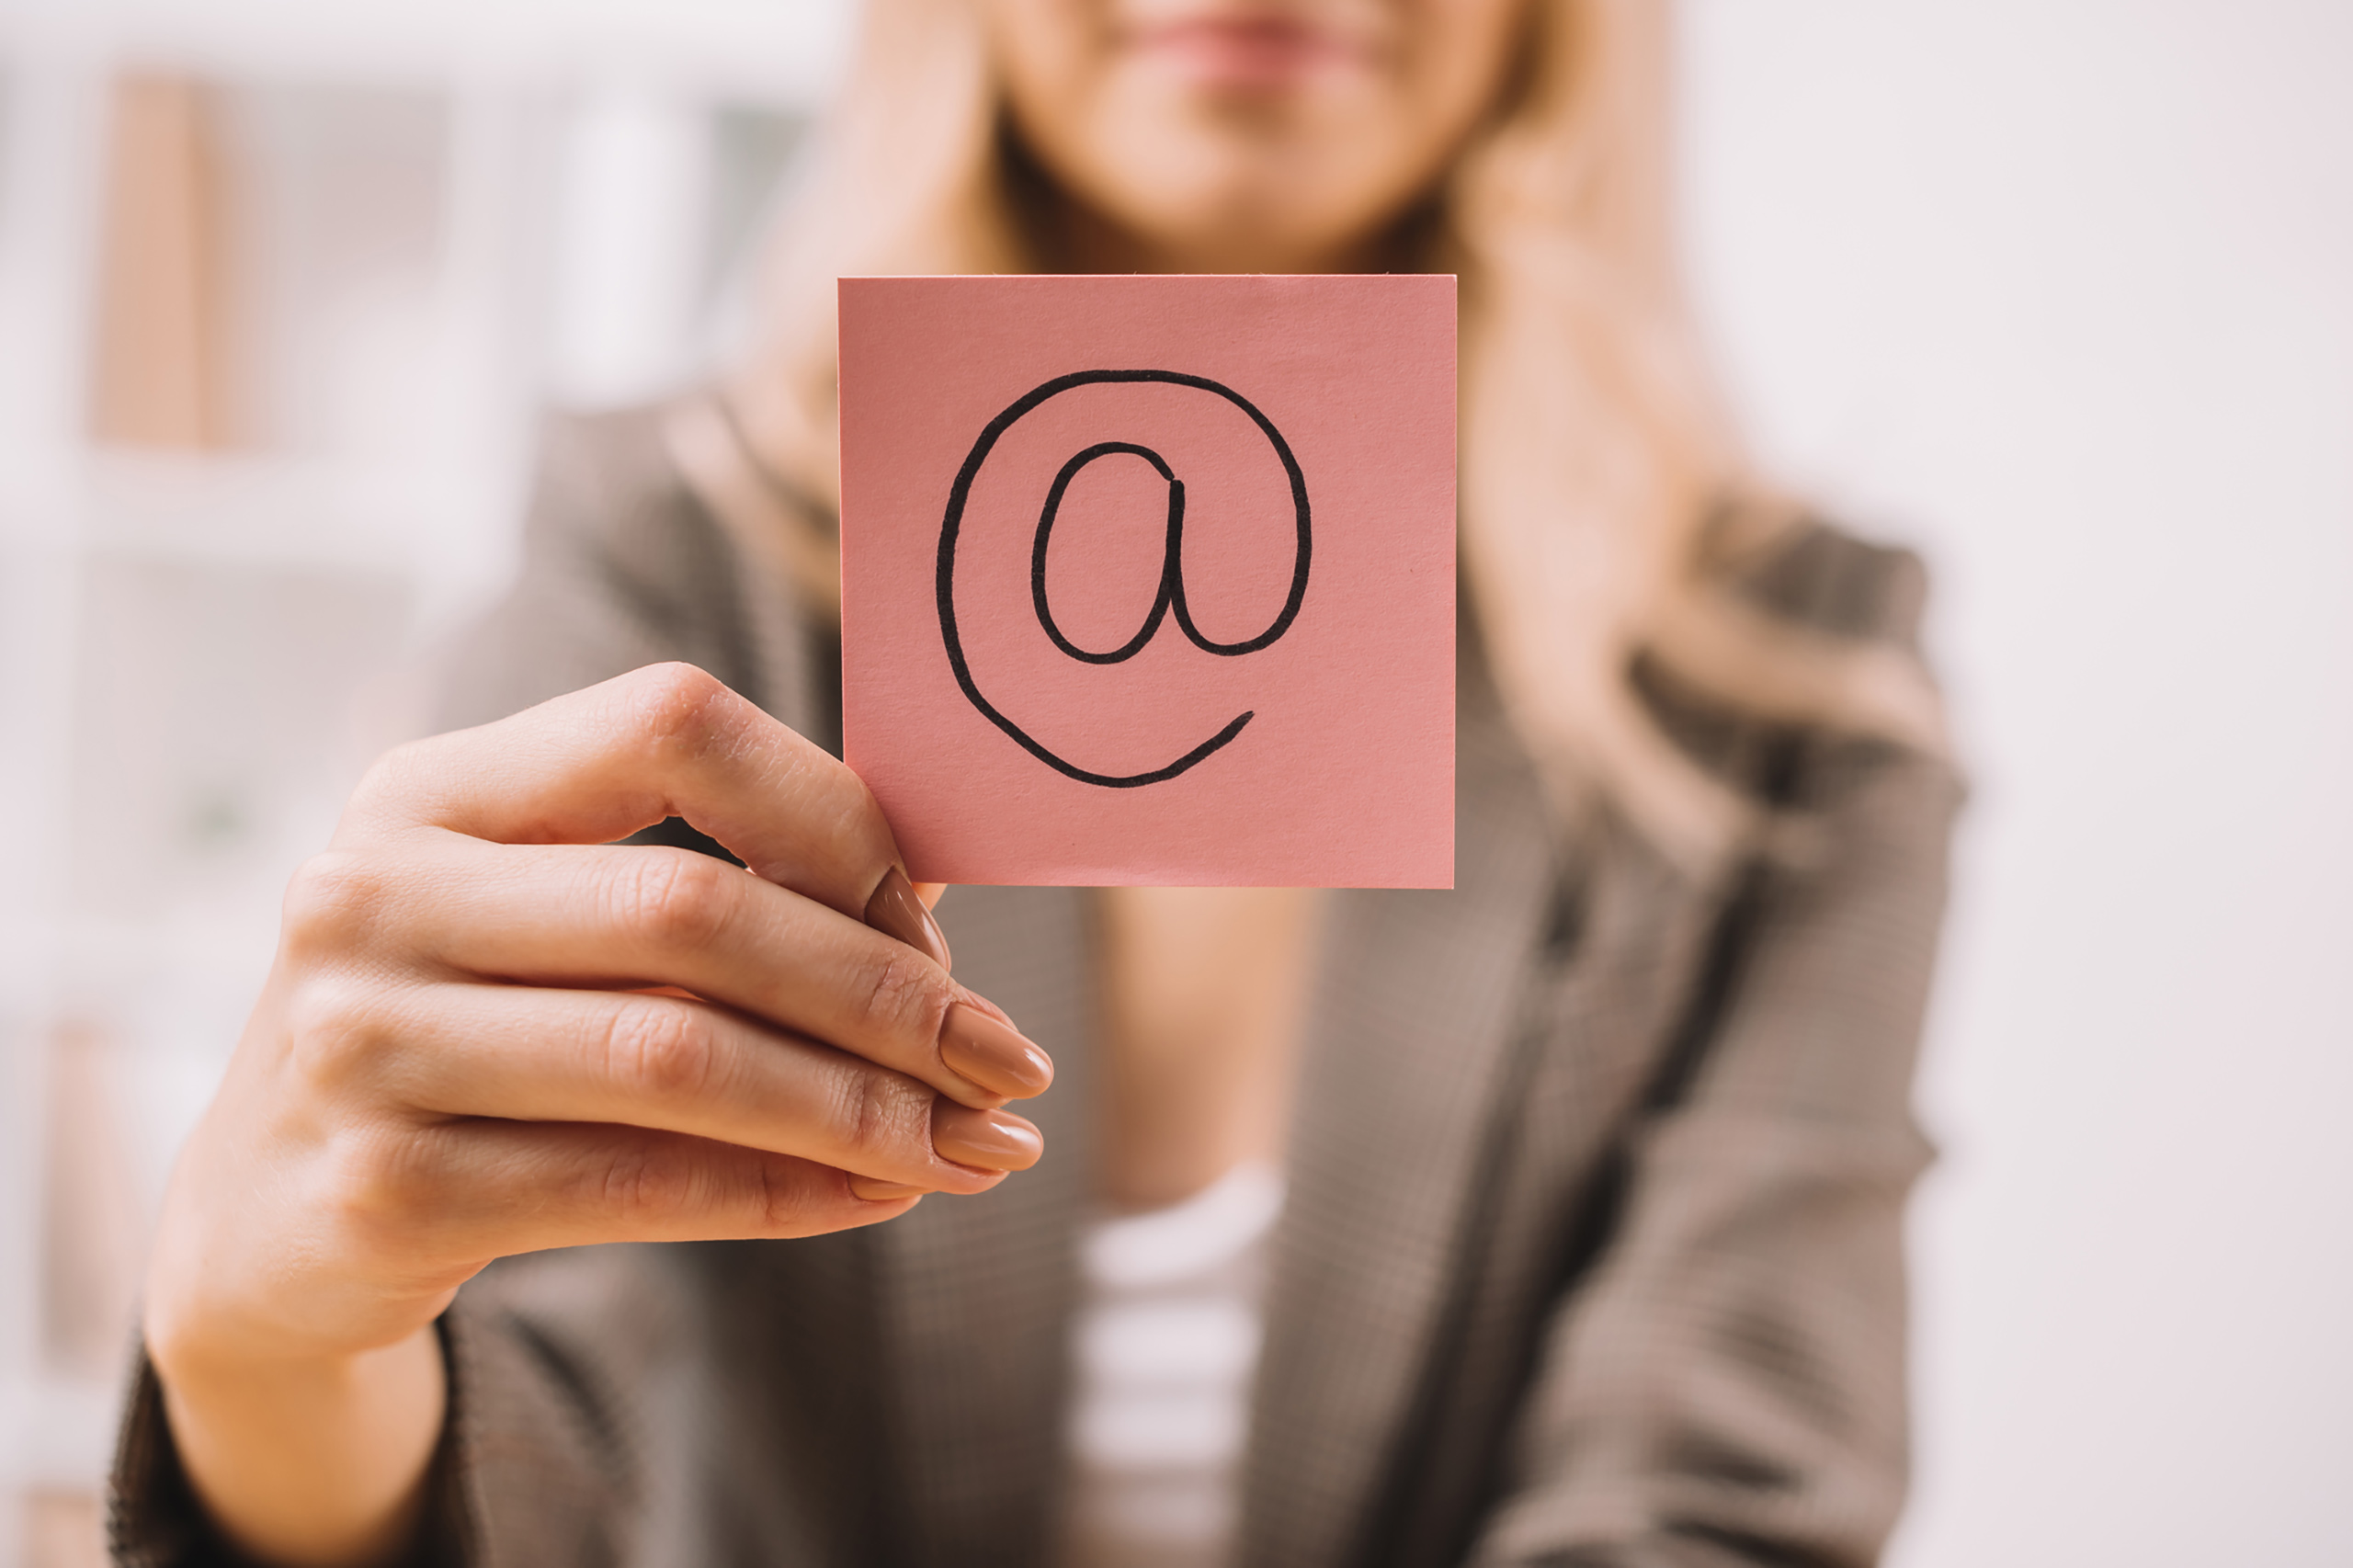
[491, 1030]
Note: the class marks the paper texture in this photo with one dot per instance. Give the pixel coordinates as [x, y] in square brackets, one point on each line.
[1151, 580]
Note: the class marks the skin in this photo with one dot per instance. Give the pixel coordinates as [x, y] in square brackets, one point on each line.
[485, 1033]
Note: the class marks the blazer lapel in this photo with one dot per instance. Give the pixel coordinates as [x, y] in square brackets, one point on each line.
[976, 1292]
[1413, 1018]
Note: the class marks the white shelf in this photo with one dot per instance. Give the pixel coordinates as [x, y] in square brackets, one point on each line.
[782, 51]
[281, 512]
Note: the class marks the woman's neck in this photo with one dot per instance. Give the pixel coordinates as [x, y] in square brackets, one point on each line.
[1204, 997]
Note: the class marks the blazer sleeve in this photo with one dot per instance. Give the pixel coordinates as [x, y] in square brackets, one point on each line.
[542, 1460]
[1726, 1385]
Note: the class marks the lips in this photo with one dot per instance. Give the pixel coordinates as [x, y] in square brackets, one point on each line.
[1245, 52]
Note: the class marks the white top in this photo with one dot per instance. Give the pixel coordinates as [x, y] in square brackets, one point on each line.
[1168, 1324]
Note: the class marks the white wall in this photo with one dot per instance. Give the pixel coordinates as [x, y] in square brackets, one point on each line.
[2061, 291]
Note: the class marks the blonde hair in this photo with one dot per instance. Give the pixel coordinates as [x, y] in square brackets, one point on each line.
[1602, 492]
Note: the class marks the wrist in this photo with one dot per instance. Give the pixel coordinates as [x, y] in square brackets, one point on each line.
[201, 1343]
[192, 1364]
[311, 1458]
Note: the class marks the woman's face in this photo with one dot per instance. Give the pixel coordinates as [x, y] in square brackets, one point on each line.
[1246, 135]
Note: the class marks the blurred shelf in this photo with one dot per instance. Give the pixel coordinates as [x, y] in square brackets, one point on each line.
[280, 511]
[782, 51]
[267, 512]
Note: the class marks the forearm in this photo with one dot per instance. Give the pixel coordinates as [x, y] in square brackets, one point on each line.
[316, 1462]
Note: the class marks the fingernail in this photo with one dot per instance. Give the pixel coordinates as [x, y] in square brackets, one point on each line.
[894, 910]
[883, 1191]
[992, 1054]
[993, 1139]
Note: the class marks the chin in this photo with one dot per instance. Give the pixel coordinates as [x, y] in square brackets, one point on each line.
[1227, 195]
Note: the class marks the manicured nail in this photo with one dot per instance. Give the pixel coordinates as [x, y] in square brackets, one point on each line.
[992, 1054]
[883, 1191]
[993, 1140]
[894, 910]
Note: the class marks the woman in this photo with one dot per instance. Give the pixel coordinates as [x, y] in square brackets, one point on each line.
[1590, 1171]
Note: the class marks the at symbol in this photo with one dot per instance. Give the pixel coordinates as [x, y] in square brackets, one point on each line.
[1172, 565]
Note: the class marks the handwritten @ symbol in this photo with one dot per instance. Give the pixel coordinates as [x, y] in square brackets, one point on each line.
[1171, 596]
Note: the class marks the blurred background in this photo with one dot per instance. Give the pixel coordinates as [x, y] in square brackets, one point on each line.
[2059, 292]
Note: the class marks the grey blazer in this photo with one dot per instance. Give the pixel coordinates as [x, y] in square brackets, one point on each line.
[1592, 1255]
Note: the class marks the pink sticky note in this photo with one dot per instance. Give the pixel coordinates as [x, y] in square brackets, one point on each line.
[1151, 580]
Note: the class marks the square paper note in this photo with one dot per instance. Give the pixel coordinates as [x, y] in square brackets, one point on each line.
[1151, 580]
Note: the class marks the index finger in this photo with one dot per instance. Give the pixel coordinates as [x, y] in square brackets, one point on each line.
[668, 740]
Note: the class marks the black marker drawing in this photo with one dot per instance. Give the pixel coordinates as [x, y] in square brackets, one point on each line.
[1171, 596]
